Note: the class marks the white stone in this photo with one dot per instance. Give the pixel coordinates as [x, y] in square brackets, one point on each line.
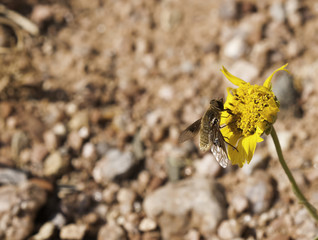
[147, 224]
[235, 48]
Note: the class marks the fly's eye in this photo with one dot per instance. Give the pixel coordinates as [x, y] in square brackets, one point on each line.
[214, 121]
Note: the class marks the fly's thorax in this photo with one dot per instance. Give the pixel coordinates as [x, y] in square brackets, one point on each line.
[217, 104]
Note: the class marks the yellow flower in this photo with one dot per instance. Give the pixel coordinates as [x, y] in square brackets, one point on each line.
[251, 111]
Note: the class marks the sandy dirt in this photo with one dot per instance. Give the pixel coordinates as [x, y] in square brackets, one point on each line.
[92, 107]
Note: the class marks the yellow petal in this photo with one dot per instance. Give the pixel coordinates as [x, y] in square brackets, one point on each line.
[249, 145]
[235, 80]
[267, 82]
[237, 155]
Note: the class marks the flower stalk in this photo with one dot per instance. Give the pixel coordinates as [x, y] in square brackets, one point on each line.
[311, 209]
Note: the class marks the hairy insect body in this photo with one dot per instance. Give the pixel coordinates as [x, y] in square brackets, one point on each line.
[208, 128]
[209, 122]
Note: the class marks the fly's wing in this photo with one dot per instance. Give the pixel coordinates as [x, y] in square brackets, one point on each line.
[190, 131]
[218, 148]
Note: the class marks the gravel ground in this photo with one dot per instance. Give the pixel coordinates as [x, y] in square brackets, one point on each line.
[92, 107]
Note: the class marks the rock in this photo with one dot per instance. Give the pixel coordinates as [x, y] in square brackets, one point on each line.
[41, 13]
[253, 32]
[259, 53]
[18, 143]
[285, 139]
[294, 48]
[152, 118]
[191, 203]
[110, 192]
[18, 208]
[235, 48]
[6, 109]
[84, 132]
[55, 164]
[239, 203]
[228, 10]
[12, 122]
[193, 234]
[259, 191]
[279, 236]
[46, 232]
[71, 108]
[147, 224]
[277, 12]
[293, 14]
[12, 176]
[131, 223]
[138, 147]
[186, 67]
[126, 198]
[59, 130]
[39, 152]
[111, 232]
[170, 18]
[230, 229]
[75, 141]
[258, 161]
[207, 166]
[102, 148]
[115, 164]
[143, 181]
[59, 220]
[51, 141]
[80, 119]
[89, 151]
[267, 217]
[166, 92]
[245, 70]
[73, 231]
[308, 229]
[285, 91]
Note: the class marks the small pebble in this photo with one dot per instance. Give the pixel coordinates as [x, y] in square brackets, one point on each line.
[71, 108]
[277, 12]
[235, 48]
[230, 229]
[46, 232]
[75, 141]
[147, 224]
[258, 161]
[18, 143]
[111, 231]
[60, 130]
[207, 166]
[240, 203]
[73, 232]
[54, 164]
[259, 191]
[12, 176]
[109, 193]
[83, 132]
[115, 164]
[50, 140]
[39, 152]
[80, 119]
[89, 151]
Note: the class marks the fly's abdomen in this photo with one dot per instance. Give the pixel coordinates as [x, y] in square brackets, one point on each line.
[205, 131]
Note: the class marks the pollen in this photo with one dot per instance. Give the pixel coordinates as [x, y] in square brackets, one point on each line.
[255, 106]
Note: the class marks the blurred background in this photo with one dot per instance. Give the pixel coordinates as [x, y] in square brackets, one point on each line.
[94, 95]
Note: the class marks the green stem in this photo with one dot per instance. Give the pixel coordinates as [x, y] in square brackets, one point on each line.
[311, 209]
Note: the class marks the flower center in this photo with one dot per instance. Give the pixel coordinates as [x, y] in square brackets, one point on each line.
[255, 106]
